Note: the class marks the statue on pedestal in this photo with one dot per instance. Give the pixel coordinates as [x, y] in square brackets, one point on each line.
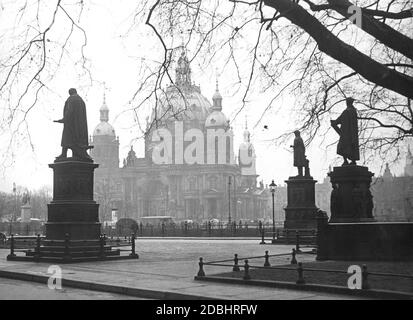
[348, 145]
[300, 160]
[75, 135]
[26, 198]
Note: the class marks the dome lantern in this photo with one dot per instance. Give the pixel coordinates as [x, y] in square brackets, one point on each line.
[104, 128]
[104, 110]
[183, 71]
[217, 98]
[247, 134]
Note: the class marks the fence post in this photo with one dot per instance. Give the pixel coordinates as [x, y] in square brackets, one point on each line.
[293, 259]
[262, 236]
[201, 272]
[102, 246]
[67, 248]
[12, 254]
[297, 241]
[246, 271]
[133, 253]
[163, 229]
[267, 257]
[236, 266]
[37, 252]
[300, 271]
[364, 278]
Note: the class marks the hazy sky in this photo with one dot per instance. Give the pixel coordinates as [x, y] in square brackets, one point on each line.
[114, 60]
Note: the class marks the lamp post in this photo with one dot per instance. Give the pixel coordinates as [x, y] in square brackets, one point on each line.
[229, 201]
[14, 215]
[272, 189]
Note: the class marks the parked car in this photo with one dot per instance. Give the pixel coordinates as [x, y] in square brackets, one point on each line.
[155, 220]
[214, 221]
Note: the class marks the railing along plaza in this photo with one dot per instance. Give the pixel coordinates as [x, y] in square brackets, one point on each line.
[69, 246]
[365, 285]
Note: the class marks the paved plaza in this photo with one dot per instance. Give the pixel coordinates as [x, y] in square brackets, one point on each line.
[169, 266]
[11, 289]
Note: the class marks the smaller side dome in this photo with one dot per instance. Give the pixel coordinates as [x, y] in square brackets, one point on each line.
[104, 129]
[216, 119]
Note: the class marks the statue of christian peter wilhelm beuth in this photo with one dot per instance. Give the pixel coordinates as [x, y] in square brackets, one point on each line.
[348, 144]
[75, 134]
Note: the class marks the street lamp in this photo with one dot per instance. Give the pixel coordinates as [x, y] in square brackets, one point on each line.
[229, 201]
[272, 189]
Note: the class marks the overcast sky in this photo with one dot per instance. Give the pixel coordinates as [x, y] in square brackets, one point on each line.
[114, 61]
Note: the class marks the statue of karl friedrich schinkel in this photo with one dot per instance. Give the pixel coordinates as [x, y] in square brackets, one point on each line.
[348, 144]
[75, 134]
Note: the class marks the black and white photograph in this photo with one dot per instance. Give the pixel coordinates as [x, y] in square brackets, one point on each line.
[205, 157]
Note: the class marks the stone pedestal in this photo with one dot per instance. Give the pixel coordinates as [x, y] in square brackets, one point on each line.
[352, 234]
[25, 213]
[73, 210]
[351, 199]
[73, 228]
[358, 241]
[301, 210]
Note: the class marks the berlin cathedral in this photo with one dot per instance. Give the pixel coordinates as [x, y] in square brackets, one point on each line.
[196, 188]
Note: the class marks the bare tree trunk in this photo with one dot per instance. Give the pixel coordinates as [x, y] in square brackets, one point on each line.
[379, 30]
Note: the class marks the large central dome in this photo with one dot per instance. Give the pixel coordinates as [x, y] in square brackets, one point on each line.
[183, 99]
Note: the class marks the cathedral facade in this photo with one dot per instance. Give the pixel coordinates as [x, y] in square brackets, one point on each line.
[189, 169]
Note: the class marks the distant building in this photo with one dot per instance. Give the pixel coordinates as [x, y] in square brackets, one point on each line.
[217, 185]
[393, 196]
[322, 195]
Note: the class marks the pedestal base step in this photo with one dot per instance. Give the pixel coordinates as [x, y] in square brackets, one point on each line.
[70, 260]
[83, 252]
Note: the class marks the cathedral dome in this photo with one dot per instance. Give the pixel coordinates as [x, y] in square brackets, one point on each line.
[182, 100]
[178, 104]
[216, 119]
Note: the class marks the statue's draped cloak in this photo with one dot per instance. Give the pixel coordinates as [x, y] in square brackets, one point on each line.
[75, 123]
[348, 145]
[299, 153]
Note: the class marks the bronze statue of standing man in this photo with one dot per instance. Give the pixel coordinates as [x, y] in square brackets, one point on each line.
[300, 160]
[75, 134]
[348, 145]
